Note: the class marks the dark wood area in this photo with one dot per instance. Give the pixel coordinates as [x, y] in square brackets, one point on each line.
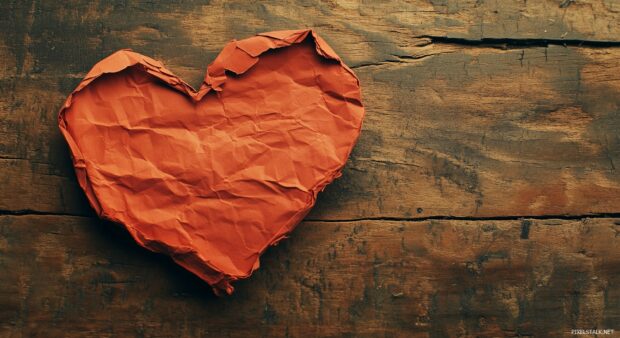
[75, 276]
[483, 197]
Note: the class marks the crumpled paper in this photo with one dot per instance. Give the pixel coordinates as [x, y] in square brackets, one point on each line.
[214, 176]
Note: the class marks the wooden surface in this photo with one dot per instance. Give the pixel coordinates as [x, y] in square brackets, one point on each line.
[483, 198]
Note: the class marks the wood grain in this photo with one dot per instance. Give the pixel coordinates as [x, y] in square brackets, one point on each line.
[72, 35]
[486, 132]
[76, 277]
[464, 131]
[501, 116]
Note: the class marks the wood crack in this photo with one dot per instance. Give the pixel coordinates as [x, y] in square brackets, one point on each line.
[30, 212]
[508, 43]
[470, 218]
[402, 58]
[498, 43]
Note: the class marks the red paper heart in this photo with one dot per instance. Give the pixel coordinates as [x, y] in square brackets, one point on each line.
[215, 176]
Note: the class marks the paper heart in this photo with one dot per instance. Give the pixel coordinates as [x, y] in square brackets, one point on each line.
[215, 176]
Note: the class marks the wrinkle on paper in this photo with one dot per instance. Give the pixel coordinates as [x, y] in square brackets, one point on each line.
[214, 176]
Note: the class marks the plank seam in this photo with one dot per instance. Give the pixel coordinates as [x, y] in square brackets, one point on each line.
[507, 43]
[470, 218]
[29, 212]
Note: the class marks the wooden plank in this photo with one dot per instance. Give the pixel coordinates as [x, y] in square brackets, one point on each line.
[458, 130]
[76, 277]
[454, 130]
[69, 36]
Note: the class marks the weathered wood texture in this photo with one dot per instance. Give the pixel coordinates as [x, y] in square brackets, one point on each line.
[72, 276]
[476, 109]
[460, 130]
[463, 132]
